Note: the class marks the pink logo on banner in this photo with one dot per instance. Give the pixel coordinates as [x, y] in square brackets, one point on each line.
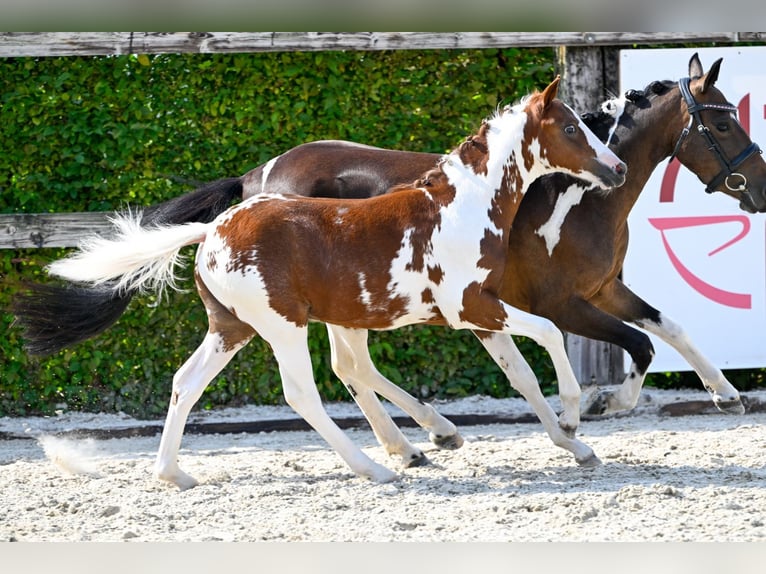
[729, 298]
[667, 195]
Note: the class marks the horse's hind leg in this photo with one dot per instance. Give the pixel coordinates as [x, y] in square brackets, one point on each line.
[508, 357]
[188, 384]
[344, 363]
[442, 432]
[291, 350]
[226, 335]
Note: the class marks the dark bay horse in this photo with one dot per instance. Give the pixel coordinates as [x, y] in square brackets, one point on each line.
[429, 252]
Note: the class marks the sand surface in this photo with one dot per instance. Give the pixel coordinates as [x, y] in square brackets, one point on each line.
[669, 478]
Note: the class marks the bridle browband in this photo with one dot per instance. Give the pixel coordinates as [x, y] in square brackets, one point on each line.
[729, 167]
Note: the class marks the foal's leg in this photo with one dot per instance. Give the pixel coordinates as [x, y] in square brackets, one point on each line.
[345, 365]
[290, 347]
[485, 310]
[226, 335]
[353, 363]
[188, 383]
[506, 354]
[626, 305]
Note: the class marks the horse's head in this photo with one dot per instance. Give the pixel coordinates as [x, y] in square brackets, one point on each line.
[714, 145]
[566, 144]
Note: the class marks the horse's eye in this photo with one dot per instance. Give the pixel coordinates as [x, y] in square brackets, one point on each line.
[722, 127]
[570, 129]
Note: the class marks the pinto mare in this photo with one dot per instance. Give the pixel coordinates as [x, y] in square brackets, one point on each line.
[432, 252]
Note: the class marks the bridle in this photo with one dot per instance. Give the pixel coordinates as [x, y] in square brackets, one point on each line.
[728, 175]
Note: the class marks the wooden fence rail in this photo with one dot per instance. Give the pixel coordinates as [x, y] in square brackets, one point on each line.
[25, 230]
[18, 44]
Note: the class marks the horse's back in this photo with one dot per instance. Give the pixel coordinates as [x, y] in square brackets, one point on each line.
[339, 169]
[314, 258]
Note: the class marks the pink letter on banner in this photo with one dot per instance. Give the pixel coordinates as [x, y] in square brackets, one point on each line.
[737, 300]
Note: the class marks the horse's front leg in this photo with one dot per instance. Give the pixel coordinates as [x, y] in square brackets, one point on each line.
[290, 346]
[508, 357]
[725, 397]
[617, 299]
[488, 313]
[581, 317]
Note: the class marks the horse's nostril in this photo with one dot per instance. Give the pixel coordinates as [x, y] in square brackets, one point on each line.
[621, 169]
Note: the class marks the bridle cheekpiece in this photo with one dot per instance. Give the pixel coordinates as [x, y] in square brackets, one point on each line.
[728, 174]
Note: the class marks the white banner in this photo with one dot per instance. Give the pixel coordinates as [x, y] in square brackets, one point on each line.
[698, 258]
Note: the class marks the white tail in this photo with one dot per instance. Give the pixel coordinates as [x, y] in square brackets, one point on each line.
[138, 258]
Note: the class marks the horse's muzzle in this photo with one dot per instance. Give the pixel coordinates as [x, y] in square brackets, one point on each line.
[614, 174]
[753, 201]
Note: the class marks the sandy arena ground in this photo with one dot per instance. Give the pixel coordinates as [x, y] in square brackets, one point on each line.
[664, 478]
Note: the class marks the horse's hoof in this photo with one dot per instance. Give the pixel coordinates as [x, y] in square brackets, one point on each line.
[591, 461]
[418, 460]
[451, 442]
[179, 478]
[734, 407]
[595, 404]
[381, 475]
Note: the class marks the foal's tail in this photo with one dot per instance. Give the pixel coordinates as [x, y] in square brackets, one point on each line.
[54, 317]
[136, 259]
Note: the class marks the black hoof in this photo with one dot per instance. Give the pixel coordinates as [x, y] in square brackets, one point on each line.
[596, 406]
[418, 460]
[591, 461]
[734, 407]
[451, 442]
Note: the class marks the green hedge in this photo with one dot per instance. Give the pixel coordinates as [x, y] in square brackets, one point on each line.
[92, 134]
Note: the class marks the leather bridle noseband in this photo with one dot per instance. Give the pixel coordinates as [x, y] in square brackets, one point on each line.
[728, 167]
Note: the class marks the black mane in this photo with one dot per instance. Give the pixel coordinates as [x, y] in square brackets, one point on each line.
[601, 122]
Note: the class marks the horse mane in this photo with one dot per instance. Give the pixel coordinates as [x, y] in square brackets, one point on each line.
[472, 151]
[601, 122]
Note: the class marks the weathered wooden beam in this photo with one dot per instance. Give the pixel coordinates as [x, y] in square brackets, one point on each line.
[588, 76]
[24, 230]
[21, 44]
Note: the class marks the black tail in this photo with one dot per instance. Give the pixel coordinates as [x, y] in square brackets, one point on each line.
[203, 204]
[54, 317]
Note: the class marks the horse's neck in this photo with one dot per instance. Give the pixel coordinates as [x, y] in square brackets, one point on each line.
[484, 161]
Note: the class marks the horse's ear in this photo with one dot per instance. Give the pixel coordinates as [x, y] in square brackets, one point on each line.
[712, 75]
[549, 93]
[695, 66]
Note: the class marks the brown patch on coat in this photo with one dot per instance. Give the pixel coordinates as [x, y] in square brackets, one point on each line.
[482, 308]
[311, 252]
[474, 151]
[233, 332]
[435, 274]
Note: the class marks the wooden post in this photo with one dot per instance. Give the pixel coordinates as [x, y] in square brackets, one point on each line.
[589, 75]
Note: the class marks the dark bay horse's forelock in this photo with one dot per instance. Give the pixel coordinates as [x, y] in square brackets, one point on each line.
[423, 254]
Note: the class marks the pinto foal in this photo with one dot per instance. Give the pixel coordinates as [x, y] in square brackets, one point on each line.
[431, 252]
